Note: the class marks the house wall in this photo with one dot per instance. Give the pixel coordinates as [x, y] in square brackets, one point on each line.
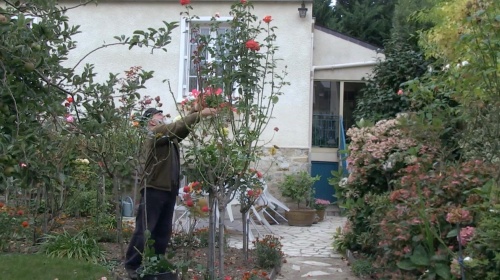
[295, 37]
[332, 49]
[101, 23]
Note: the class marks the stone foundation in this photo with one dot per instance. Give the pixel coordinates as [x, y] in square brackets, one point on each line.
[276, 162]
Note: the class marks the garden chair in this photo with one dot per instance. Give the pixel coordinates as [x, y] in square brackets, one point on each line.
[274, 204]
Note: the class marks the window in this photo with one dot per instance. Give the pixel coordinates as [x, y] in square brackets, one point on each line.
[328, 107]
[326, 114]
[189, 78]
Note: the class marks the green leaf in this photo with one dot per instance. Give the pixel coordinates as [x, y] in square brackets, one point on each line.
[406, 265]
[452, 233]
[443, 270]
[497, 17]
[420, 256]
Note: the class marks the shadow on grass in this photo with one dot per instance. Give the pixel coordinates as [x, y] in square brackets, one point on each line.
[32, 266]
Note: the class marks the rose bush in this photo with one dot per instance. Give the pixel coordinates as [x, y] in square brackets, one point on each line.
[244, 83]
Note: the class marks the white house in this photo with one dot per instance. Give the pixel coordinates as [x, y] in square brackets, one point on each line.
[325, 71]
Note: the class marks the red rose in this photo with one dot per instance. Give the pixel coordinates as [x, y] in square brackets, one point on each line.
[20, 212]
[400, 92]
[243, 1]
[187, 189]
[185, 2]
[252, 45]
[205, 209]
[157, 99]
[196, 185]
[259, 175]
[25, 224]
[250, 193]
[67, 104]
[2, 204]
[276, 129]
[189, 203]
[69, 99]
[267, 19]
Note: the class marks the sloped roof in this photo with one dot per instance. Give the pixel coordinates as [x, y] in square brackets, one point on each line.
[349, 38]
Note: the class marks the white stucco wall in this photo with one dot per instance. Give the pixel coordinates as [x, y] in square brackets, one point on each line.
[333, 50]
[101, 23]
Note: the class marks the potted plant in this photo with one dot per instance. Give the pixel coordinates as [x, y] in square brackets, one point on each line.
[320, 206]
[156, 267]
[298, 187]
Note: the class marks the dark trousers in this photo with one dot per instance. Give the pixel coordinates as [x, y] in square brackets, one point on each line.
[155, 213]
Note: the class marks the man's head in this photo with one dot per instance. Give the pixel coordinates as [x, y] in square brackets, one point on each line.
[153, 116]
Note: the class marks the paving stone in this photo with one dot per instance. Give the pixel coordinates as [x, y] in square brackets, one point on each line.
[315, 273]
[317, 263]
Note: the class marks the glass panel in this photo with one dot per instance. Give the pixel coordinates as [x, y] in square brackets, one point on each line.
[326, 98]
[193, 84]
[195, 33]
[351, 93]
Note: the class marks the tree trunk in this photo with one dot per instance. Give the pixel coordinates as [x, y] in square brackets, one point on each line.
[244, 221]
[222, 214]
[118, 214]
[211, 238]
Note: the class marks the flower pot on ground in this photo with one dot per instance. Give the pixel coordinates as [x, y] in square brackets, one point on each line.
[320, 206]
[298, 187]
[154, 266]
[301, 217]
[321, 214]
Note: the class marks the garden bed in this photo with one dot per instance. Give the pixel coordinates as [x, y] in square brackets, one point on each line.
[235, 264]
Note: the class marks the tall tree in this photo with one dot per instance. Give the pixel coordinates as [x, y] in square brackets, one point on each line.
[323, 12]
[405, 23]
[367, 20]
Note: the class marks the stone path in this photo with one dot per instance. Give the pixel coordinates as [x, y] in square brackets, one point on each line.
[308, 250]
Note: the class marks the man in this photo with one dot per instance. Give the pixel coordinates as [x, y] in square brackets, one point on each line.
[160, 183]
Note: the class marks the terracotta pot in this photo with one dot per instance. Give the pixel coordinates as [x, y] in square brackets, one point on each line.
[321, 214]
[301, 217]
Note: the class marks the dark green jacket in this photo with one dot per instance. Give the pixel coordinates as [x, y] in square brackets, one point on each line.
[161, 151]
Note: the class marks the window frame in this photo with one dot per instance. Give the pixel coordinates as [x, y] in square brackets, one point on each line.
[184, 51]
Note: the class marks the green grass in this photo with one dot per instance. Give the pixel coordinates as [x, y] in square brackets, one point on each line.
[42, 267]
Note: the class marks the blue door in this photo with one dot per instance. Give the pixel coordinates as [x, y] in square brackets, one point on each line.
[322, 189]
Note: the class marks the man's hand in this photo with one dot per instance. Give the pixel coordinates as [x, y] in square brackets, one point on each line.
[208, 112]
[197, 104]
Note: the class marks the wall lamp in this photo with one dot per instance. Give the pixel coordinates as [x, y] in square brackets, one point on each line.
[302, 10]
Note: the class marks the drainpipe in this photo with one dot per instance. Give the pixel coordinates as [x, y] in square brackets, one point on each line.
[311, 89]
[345, 65]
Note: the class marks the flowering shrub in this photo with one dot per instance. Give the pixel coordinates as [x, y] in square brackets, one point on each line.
[413, 216]
[269, 251]
[15, 229]
[421, 231]
[320, 204]
[376, 153]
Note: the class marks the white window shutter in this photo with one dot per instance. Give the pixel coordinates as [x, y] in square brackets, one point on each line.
[183, 60]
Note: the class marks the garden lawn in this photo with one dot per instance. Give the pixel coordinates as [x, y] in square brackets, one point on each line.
[41, 267]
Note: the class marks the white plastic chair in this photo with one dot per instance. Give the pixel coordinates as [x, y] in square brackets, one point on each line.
[274, 203]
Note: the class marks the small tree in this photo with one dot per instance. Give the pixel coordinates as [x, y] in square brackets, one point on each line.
[244, 84]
